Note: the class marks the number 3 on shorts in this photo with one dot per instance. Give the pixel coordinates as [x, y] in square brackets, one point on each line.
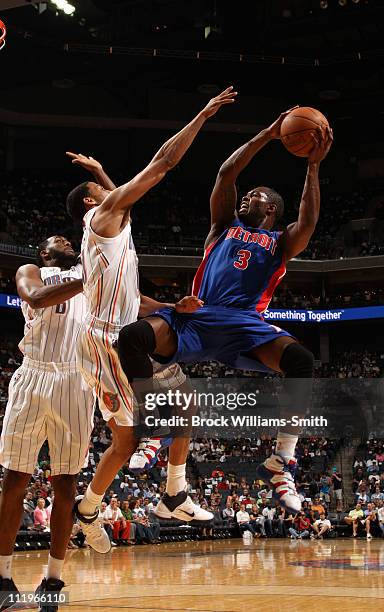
[244, 256]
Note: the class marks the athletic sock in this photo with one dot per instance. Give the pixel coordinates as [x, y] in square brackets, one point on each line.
[90, 502]
[55, 567]
[285, 445]
[175, 479]
[6, 566]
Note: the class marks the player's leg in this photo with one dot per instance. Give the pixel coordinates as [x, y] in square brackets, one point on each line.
[123, 445]
[64, 487]
[286, 355]
[69, 423]
[11, 510]
[176, 503]
[22, 436]
[138, 341]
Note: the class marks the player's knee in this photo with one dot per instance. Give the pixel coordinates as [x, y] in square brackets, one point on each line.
[122, 453]
[123, 445]
[297, 361]
[136, 339]
[15, 482]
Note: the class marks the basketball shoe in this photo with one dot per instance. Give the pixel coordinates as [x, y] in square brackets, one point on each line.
[181, 507]
[279, 473]
[52, 586]
[8, 593]
[95, 535]
[145, 457]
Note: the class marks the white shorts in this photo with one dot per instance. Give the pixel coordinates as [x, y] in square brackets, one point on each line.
[47, 401]
[100, 364]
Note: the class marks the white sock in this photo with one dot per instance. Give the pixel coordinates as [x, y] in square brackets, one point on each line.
[5, 566]
[285, 445]
[90, 502]
[175, 479]
[55, 567]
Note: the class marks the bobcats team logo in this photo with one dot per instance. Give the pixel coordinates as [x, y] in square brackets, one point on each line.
[111, 401]
[17, 377]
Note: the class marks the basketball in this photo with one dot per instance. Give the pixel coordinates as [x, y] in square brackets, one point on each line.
[297, 129]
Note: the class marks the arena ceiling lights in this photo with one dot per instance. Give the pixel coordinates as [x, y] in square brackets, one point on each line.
[64, 6]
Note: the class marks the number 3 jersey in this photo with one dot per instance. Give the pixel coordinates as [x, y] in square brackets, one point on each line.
[241, 269]
[50, 333]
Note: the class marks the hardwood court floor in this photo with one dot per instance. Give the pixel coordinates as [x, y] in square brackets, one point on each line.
[220, 576]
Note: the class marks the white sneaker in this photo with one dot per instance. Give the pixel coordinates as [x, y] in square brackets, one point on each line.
[279, 475]
[95, 535]
[369, 536]
[146, 454]
[181, 507]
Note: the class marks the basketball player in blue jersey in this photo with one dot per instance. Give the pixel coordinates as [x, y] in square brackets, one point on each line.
[244, 261]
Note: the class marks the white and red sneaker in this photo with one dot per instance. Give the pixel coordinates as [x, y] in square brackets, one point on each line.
[146, 454]
[279, 474]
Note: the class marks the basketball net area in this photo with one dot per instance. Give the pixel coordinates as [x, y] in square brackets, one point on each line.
[3, 33]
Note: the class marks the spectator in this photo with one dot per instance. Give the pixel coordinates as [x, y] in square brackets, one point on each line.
[317, 508]
[28, 511]
[243, 520]
[325, 487]
[321, 526]
[337, 484]
[268, 514]
[278, 521]
[301, 527]
[106, 522]
[377, 495]
[380, 516]
[370, 519]
[353, 518]
[120, 527]
[228, 514]
[41, 515]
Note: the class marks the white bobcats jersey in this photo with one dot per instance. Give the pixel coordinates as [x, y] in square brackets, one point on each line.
[50, 333]
[110, 275]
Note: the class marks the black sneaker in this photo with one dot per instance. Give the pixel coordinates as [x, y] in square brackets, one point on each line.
[52, 586]
[8, 590]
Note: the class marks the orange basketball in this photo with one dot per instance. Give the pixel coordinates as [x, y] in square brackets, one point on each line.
[297, 129]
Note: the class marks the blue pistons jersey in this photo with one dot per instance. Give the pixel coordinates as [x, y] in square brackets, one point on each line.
[241, 269]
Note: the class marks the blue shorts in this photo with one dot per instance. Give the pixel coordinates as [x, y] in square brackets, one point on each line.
[216, 333]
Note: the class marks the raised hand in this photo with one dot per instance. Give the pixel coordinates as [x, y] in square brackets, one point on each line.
[322, 142]
[226, 97]
[188, 304]
[274, 128]
[86, 162]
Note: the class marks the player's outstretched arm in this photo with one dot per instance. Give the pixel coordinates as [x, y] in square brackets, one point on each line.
[93, 166]
[187, 304]
[297, 235]
[224, 194]
[32, 290]
[109, 215]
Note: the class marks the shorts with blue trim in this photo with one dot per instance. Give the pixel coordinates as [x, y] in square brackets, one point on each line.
[216, 333]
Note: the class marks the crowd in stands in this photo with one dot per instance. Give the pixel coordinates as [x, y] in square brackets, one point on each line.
[220, 475]
[217, 482]
[367, 515]
[346, 364]
[215, 468]
[170, 216]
